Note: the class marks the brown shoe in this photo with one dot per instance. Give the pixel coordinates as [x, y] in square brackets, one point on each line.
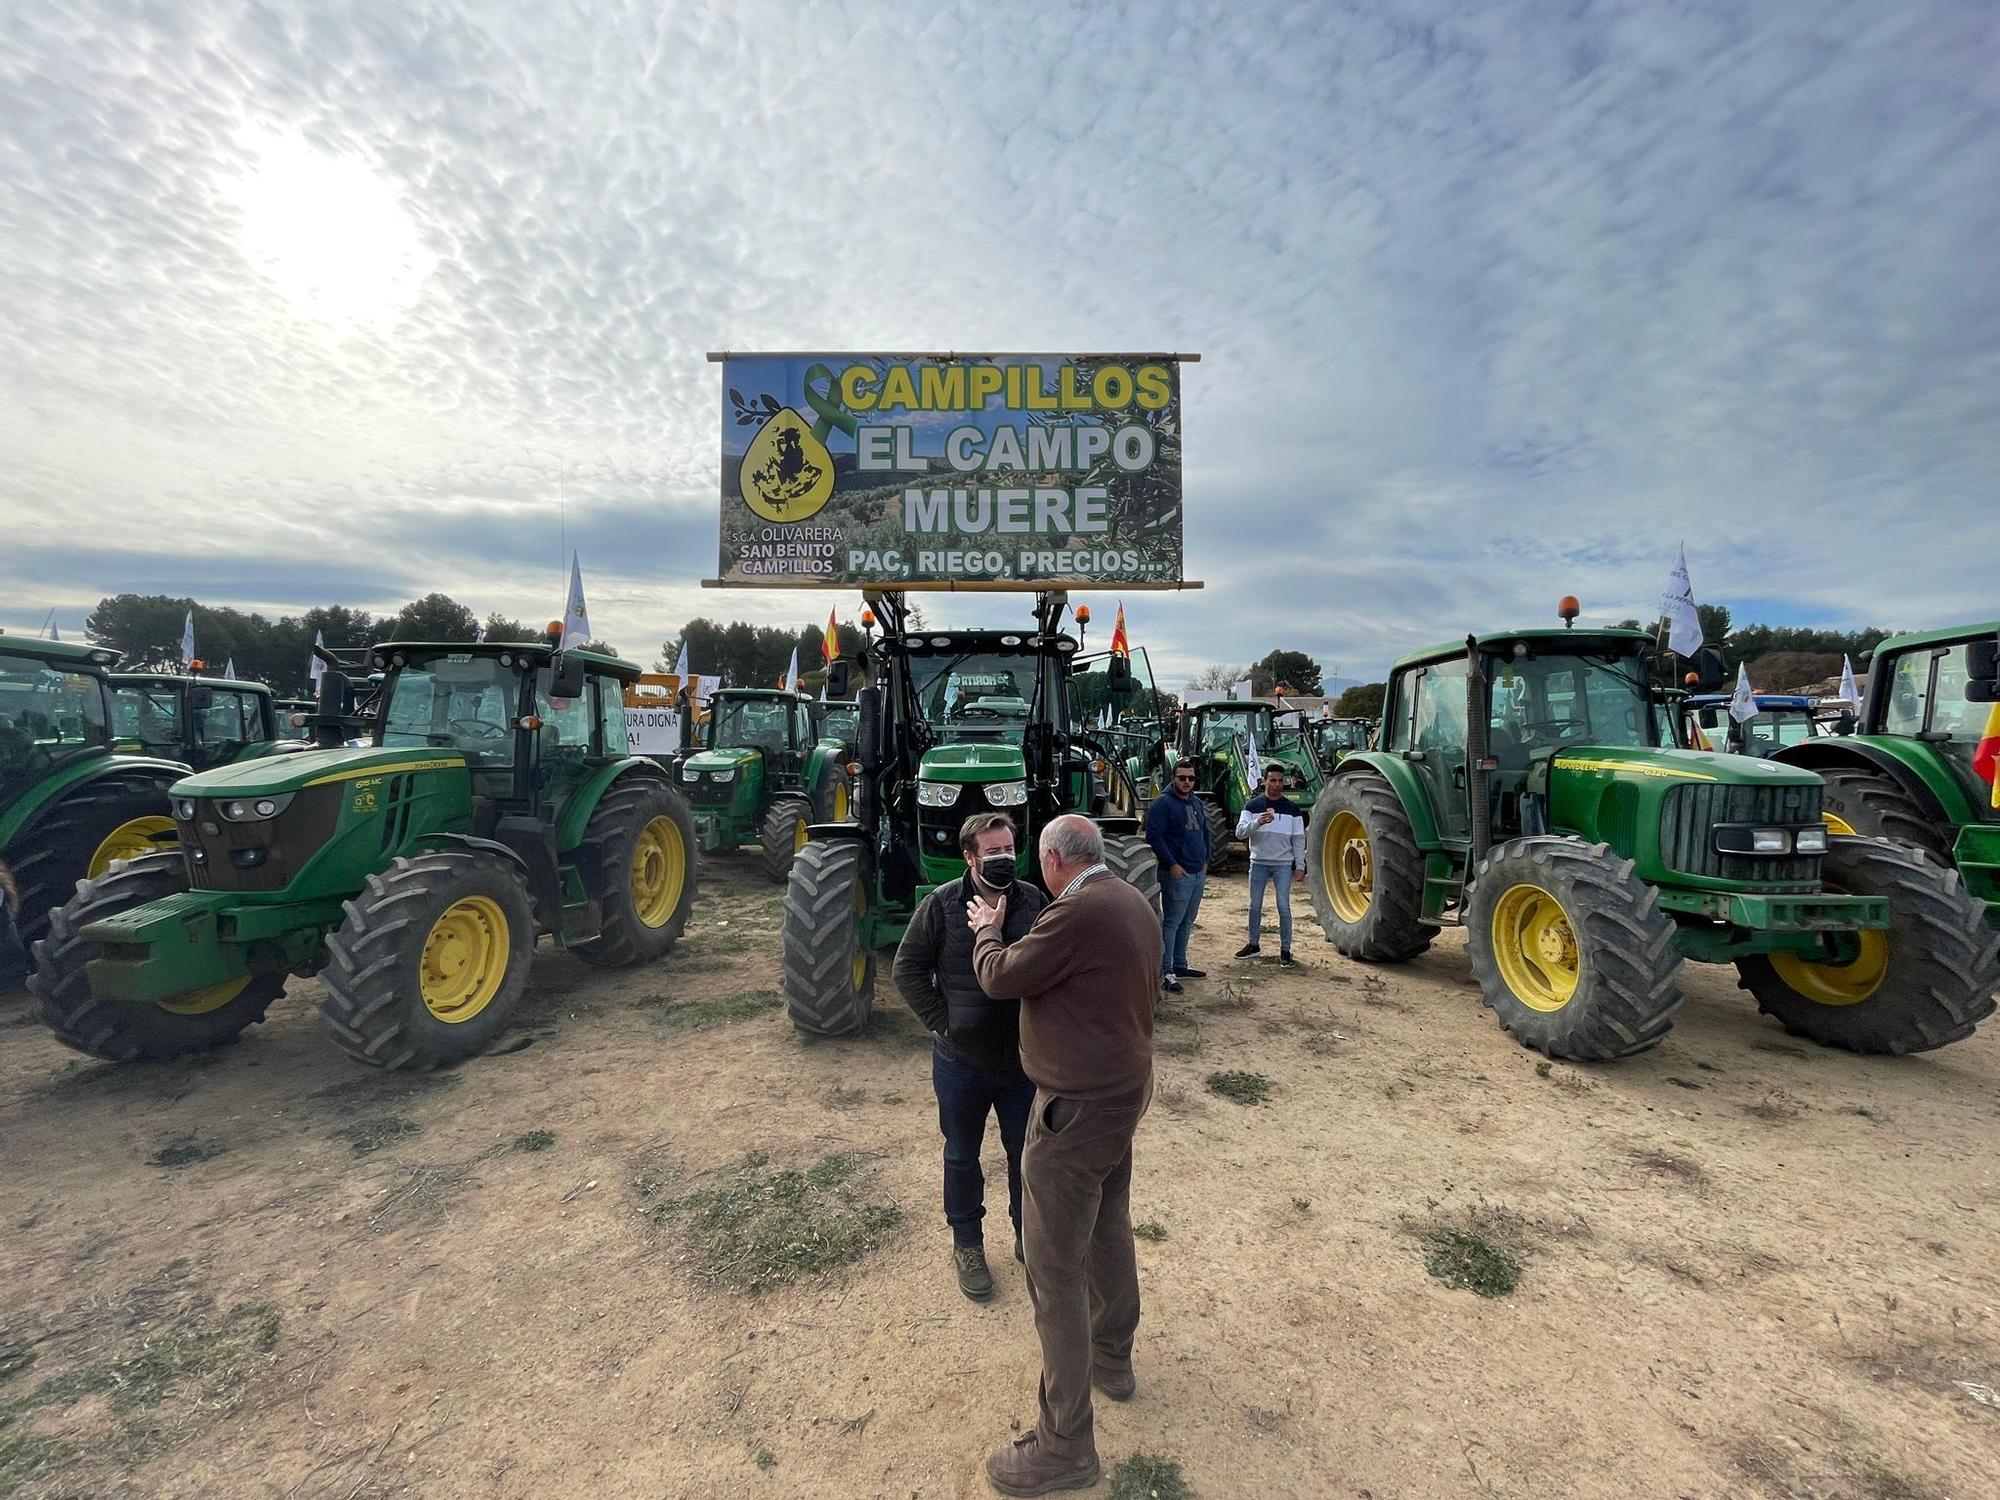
[1119, 1385]
[1022, 1468]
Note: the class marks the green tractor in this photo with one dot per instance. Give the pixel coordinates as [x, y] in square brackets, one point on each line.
[1216, 736]
[203, 722]
[764, 775]
[1906, 772]
[494, 802]
[1333, 740]
[837, 721]
[1520, 789]
[69, 805]
[953, 722]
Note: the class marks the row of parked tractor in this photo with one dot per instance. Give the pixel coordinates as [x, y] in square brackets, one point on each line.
[443, 806]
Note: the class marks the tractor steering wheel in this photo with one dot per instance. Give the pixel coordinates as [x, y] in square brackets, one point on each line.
[498, 731]
[1557, 729]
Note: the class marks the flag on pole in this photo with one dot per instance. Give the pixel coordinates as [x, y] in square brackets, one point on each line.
[317, 669]
[1677, 604]
[1120, 645]
[790, 681]
[187, 639]
[1241, 689]
[1849, 693]
[1986, 754]
[829, 641]
[479, 635]
[229, 669]
[576, 615]
[1253, 768]
[1743, 702]
[55, 630]
[681, 663]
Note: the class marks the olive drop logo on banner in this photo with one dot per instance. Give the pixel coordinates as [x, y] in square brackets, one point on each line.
[1041, 470]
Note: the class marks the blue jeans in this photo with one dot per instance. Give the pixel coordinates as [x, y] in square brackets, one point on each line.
[965, 1092]
[1281, 877]
[1179, 901]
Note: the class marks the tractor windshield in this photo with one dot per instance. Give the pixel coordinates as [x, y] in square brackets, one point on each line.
[454, 702]
[147, 714]
[750, 724]
[47, 715]
[839, 721]
[1544, 702]
[976, 696]
[1223, 727]
[1927, 697]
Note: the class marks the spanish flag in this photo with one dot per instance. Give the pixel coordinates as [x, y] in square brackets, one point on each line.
[1120, 646]
[1986, 757]
[829, 641]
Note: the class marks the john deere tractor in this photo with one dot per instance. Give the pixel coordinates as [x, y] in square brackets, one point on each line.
[203, 722]
[953, 722]
[495, 802]
[68, 805]
[764, 775]
[1217, 736]
[1519, 789]
[1333, 740]
[1906, 774]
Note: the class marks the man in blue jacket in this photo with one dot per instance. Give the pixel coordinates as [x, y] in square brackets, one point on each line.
[1177, 828]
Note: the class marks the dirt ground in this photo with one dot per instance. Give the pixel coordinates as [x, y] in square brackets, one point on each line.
[1748, 1267]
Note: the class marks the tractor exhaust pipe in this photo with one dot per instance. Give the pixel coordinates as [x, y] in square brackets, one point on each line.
[1478, 766]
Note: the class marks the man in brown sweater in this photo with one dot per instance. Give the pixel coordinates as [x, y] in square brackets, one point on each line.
[1086, 975]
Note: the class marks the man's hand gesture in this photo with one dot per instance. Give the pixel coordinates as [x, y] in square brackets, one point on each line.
[979, 912]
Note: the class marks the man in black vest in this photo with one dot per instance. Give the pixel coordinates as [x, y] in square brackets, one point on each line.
[976, 1042]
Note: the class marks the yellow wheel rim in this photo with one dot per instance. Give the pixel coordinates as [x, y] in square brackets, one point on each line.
[841, 802]
[465, 959]
[200, 1002]
[1837, 984]
[1835, 823]
[1347, 866]
[659, 870]
[860, 951]
[1535, 947]
[799, 835]
[130, 841]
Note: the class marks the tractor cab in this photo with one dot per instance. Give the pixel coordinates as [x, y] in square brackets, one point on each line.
[1332, 739]
[1232, 741]
[837, 723]
[55, 709]
[200, 721]
[1783, 720]
[764, 774]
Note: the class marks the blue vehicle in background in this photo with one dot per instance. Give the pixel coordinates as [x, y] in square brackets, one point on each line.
[1783, 720]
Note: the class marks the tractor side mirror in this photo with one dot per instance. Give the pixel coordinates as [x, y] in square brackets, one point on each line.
[686, 716]
[840, 679]
[1118, 677]
[1710, 670]
[201, 699]
[1708, 717]
[567, 677]
[1982, 659]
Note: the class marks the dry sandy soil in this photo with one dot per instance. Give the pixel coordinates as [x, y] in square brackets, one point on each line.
[1749, 1267]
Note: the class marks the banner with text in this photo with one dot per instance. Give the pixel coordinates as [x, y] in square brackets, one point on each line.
[845, 470]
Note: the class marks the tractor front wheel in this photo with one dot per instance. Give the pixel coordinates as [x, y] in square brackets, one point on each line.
[829, 969]
[1365, 872]
[1924, 983]
[833, 799]
[1571, 949]
[431, 961]
[117, 816]
[783, 834]
[126, 1030]
[1132, 860]
[645, 839]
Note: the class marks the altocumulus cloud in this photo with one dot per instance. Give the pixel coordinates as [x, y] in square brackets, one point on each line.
[310, 302]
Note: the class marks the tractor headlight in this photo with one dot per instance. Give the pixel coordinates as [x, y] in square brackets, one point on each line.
[1811, 841]
[936, 794]
[184, 809]
[689, 773]
[1770, 841]
[727, 773]
[1007, 793]
[254, 809]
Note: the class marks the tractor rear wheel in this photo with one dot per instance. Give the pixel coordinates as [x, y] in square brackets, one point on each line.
[121, 815]
[1221, 830]
[1132, 860]
[1365, 872]
[645, 839]
[127, 1030]
[431, 961]
[1924, 983]
[1571, 949]
[783, 834]
[1871, 805]
[829, 970]
[833, 798]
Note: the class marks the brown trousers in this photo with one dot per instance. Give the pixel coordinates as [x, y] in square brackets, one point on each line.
[1083, 1271]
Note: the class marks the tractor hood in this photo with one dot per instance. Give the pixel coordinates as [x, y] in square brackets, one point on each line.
[973, 763]
[725, 759]
[290, 773]
[1626, 762]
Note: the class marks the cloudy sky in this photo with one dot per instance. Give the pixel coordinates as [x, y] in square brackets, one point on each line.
[312, 303]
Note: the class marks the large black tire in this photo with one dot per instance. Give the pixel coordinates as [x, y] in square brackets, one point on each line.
[13, 951]
[782, 834]
[56, 851]
[833, 798]
[645, 839]
[1221, 833]
[1359, 839]
[1938, 967]
[1874, 806]
[829, 974]
[1132, 860]
[393, 997]
[121, 1030]
[1604, 928]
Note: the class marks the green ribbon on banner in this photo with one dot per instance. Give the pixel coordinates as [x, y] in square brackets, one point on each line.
[827, 410]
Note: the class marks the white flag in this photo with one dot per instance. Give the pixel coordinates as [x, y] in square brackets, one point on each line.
[187, 639]
[791, 682]
[479, 636]
[1743, 703]
[1849, 693]
[317, 669]
[576, 617]
[1241, 689]
[1677, 604]
[1253, 769]
[704, 684]
[229, 669]
[681, 663]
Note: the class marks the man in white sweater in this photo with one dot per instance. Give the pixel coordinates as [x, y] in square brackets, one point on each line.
[1276, 829]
